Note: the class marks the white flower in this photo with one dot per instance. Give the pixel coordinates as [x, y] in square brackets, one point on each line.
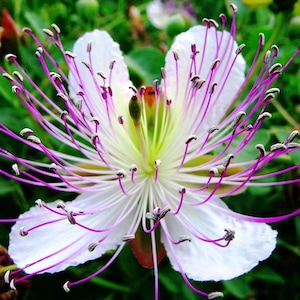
[160, 13]
[157, 14]
[151, 162]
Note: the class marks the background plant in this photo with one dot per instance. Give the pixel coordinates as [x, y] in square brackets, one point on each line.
[144, 47]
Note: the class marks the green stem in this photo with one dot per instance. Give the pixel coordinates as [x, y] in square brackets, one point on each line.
[285, 114]
[110, 285]
[8, 268]
[294, 249]
[100, 281]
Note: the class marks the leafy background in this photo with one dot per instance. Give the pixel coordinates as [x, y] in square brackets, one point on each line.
[276, 278]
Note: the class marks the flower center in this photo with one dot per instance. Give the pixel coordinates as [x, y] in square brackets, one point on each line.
[150, 122]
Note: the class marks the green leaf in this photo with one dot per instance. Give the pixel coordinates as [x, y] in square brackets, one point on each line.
[13, 118]
[298, 80]
[170, 284]
[250, 152]
[145, 63]
[238, 287]
[267, 274]
[282, 135]
[6, 188]
[187, 293]
[295, 156]
[262, 190]
[297, 228]
[36, 23]
[110, 285]
[5, 90]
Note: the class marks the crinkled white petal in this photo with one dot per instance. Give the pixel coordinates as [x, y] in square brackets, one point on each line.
[104, 51]
[204, 261]
[223, 96]
[157, 14]
[63, 243]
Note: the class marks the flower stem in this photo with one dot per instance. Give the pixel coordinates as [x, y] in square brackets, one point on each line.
[111, 285]
[294, 249]
[285, 114]
[8, 268]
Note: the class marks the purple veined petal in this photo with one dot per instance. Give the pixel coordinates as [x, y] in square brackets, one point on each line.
[101, 74]
[208, 57]
[52, 239]
[252, 242]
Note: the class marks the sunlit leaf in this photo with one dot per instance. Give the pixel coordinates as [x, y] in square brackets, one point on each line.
[145, 63]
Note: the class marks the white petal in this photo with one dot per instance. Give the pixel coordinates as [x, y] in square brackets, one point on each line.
[210, 49]
[157, 14]
[69, 243]
[104, 51]
[203, 261]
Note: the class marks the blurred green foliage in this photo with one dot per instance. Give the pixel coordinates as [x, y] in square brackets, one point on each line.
[144, 46]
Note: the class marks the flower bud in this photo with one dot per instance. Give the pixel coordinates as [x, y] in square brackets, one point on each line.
[88, 9]
[176, 24]
[135, 109]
